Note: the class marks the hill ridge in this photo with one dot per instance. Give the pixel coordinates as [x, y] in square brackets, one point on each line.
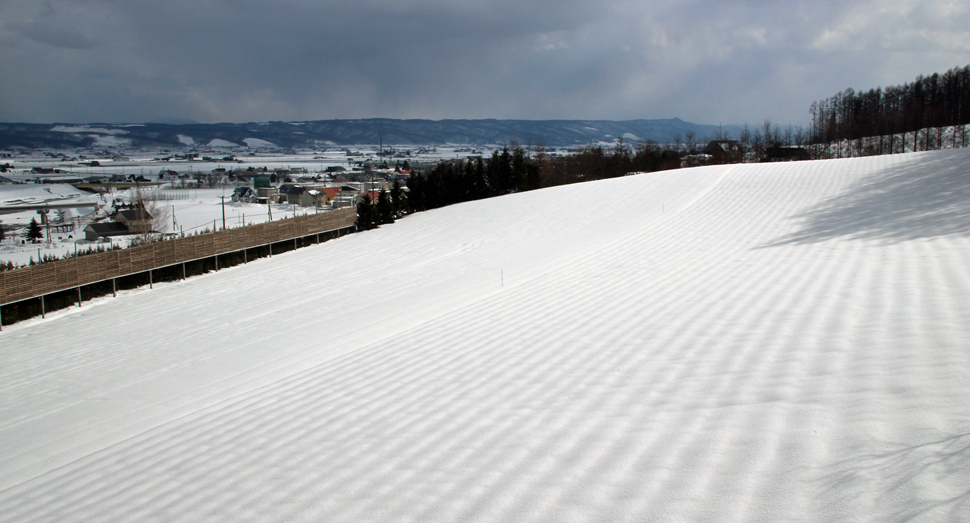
[371, 131]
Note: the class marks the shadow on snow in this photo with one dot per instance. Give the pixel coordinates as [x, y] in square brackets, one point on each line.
[917, 199]
[905, 483]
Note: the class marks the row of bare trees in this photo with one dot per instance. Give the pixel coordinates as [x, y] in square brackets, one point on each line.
[936, 101]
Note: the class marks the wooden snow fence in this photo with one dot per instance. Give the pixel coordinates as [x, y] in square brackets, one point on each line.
[46, 278]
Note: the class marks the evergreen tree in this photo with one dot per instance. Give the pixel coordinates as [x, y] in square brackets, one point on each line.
[398, 199]
[3, 235]
[481, 179]
[367, 217]
[34, 232]
[519, 174]
[385, 208]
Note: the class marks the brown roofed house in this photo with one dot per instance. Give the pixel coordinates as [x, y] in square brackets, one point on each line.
[137, 220]
[725, 151]
[104, 230]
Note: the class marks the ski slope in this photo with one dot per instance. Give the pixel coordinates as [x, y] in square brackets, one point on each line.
[772, 342]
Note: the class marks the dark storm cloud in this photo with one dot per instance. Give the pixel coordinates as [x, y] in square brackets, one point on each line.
[222, 60]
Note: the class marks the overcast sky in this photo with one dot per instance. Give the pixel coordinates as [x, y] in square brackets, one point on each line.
[706, 61]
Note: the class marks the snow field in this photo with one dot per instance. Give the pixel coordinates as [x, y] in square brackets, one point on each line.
[780, 342]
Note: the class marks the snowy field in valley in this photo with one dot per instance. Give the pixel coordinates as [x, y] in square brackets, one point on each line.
[185, 211]
[761, 342]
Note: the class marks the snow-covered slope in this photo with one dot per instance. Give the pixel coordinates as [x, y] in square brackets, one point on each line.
[733, 343]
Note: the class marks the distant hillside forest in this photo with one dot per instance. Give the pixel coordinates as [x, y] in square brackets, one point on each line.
[936, 101]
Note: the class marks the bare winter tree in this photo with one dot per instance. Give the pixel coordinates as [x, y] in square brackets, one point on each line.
[766, 133]
[148, 202]
[757, 144]
[689, 136]
[745, 139]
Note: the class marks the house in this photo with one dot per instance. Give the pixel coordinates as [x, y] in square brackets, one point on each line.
[725, 151]
[331, 192]
[128, 221]
[244, 194]
[135, 220]
[343, 201]
[267, 194]
[785, 154]
[104, 230]
[290, 193]
[313, 198]
[319, 196]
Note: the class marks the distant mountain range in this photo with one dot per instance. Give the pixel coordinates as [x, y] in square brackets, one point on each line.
[321, 133]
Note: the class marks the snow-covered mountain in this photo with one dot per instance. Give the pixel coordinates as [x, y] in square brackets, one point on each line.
[761, 342]
[350, 132]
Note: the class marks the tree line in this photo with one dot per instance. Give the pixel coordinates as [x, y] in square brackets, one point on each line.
[594, 162]
[935, 101]
[513, 169]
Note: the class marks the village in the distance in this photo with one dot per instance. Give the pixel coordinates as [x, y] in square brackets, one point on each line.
[55, 203]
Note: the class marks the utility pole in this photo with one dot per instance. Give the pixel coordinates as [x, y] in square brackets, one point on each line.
[223, 213]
